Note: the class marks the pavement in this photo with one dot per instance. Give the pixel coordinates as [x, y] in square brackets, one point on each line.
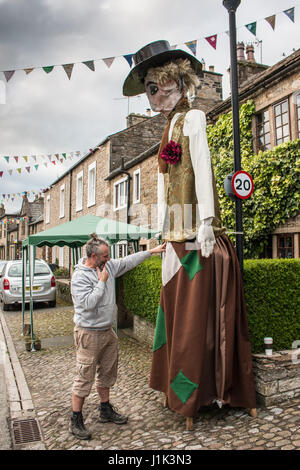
[38, 385]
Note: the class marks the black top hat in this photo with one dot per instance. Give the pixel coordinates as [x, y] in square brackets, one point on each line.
[153, 55]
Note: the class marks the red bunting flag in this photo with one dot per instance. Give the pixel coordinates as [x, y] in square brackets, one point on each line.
[212, 40]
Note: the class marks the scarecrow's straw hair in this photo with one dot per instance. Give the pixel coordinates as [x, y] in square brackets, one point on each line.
[179, 68]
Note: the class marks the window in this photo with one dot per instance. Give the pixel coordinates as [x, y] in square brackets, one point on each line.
[79, 191]
[137, 186]
[48, 209]
[282, 126]
[263, 131]
[61, 256]
[92, 184]
[120, 194]
[298, 113]
[121, 249]
[285, 246]
[62, 201]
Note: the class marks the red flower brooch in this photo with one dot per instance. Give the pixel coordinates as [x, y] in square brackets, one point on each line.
[171, 153]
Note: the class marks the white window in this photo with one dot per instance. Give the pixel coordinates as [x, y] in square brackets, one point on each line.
[61, 256]
[79, 191]
[121, 249]
[137, 186]
[92, 184]
[48, 209]
[120, 194]
[62, 202]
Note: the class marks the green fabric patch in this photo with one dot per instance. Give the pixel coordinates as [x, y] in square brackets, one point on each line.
[183, 387]
[160, 337]
[191, 263]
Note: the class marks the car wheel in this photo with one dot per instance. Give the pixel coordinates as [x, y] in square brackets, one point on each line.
[52, 303]
[5, 307]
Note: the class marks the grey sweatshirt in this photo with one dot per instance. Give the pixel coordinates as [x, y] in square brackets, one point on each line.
[94, 301]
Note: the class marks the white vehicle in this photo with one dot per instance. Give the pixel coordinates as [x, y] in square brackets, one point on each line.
[43, 286]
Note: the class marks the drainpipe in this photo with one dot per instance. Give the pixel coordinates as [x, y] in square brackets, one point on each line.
[70, 216]
[128, 188]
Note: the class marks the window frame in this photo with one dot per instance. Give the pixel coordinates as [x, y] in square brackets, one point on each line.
[48, 206]
[258, 125]
[285, 247]
[117, 186]
[62, 201]
[91, 198]
[79, 204]
[282, 125]
[136, 199]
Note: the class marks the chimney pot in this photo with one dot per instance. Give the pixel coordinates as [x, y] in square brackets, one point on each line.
[148, 112]
[211, 68]
[250, 53]
[240, 51]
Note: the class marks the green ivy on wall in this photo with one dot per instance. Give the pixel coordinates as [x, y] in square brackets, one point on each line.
[276, 175]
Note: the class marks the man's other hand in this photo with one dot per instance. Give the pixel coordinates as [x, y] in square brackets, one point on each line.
[102, 275]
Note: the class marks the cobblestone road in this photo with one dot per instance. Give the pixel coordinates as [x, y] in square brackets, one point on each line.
[49, 374]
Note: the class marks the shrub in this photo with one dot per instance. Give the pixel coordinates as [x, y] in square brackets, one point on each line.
[61, 273]
[271, 291]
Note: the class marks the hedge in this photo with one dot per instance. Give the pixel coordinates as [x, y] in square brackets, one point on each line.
[271, 291]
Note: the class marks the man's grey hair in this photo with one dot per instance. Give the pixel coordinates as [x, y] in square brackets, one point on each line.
[94, 245]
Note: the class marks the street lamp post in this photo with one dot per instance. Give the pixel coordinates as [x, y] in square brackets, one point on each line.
[231, 6]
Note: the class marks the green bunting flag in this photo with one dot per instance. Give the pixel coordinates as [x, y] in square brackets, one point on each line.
[48, 69]
[252, 27]
[90, 64]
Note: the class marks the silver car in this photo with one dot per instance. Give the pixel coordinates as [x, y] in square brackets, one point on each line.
[43, 286]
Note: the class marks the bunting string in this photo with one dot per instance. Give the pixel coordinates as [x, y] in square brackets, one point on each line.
[192, 45]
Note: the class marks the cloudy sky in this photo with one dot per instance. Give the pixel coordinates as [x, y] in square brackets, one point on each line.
[46, 114]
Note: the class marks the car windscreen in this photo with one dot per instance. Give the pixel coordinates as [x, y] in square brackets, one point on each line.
[15, 270]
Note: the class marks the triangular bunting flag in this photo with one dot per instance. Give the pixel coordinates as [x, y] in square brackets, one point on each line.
[192, 45]
[48, 69]
[128, 57]
[46, 164]
[57, 156]
[90, 64]
[174, 47]
[252, 27]
[271, 21]
[19, 170]
[28, 71]
[212, 40]
[68, 69]
[108, 61]
[7, 159]
[228, 33]
[36, 166]
[12, 199]
[26, 159]
[290, 13]
[8, 74]
[64, 155]
[28, 168]
[50, 156]
[34, 157]
[53, 162]
[1, 174]
[10, 172]
[16, 158]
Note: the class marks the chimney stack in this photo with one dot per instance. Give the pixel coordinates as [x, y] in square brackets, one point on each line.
[250, 53]
[240, 51]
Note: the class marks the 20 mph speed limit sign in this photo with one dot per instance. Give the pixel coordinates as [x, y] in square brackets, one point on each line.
[242, 184]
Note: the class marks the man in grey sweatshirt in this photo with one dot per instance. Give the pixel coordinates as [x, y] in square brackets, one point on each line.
[93, 294]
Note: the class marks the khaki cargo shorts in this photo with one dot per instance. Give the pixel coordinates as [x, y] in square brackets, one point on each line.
[96, 355]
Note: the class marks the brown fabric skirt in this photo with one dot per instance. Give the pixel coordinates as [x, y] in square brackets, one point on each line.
[203, 353]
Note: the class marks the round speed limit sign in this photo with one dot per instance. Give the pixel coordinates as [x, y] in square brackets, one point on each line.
[242, 184]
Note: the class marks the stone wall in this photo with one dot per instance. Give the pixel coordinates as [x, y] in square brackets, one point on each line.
[277, 377]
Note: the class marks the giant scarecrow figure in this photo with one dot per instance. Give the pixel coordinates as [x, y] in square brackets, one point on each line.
[201, 351]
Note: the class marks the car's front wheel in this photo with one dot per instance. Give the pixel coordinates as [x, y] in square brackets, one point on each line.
[52, 303]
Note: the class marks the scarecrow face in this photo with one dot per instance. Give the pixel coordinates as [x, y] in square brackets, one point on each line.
[162, 98]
